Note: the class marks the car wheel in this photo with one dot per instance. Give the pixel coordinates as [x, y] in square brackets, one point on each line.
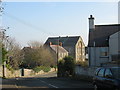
[95, 87]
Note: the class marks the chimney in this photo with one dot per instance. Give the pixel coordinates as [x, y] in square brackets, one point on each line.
[60, 43]
[91, 23]
[50, 43]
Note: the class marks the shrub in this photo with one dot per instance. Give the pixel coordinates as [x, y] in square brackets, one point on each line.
[82, 63]
[39, 68]
[46, 68]
[9, 68]
[61, 69]
[66, 67]
[69, 65]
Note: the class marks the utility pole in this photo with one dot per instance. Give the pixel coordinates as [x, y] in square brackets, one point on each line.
[3, 39]
[3, 44]
[58, 41]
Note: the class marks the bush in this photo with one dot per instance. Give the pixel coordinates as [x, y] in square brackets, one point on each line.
[66, 67]
[46, 69]
[82, 63]
[39, 68]
[61, 69]
[69, 65]
[9, 68]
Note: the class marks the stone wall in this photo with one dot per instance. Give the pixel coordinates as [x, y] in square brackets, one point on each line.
[9, 73]
[18, 73]
[0, 70]
[87, 71]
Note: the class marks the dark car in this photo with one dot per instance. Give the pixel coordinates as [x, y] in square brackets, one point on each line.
[107, 77]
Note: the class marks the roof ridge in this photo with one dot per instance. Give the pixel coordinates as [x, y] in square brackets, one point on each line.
[108, 25]
[64, 36]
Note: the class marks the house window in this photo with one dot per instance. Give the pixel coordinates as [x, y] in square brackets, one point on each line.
[104, 51]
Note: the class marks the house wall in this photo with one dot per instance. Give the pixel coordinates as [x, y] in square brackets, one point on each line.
[80, 51]
[62, 55]
[85, 71]
[71, 50]
[114, 44]
[77, 51]
[95, 57]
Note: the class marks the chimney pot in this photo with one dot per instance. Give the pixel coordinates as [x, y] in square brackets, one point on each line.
[60, 44]
[50, 43]
[91, 17]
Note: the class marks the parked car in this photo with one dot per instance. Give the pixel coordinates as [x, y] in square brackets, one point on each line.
[107, 77]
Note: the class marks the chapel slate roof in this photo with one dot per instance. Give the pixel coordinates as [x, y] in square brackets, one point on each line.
[101, 35]
[66, 41]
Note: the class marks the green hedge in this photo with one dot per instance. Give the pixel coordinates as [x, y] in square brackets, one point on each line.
[39, 68]
[66, 67]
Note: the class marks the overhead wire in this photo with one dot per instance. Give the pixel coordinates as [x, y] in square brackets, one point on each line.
[29, 24]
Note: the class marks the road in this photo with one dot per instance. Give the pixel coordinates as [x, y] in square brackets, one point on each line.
[44, 81]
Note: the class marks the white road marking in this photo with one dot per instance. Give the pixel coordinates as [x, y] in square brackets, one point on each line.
[16, 83]
[49, 84]
[52, 85]
[43, 81]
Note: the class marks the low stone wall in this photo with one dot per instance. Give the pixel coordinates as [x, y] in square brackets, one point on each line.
[87, 71]
[0, 70]
[27, 73]
[15, 73]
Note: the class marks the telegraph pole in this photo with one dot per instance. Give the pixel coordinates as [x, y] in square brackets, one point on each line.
[3, 40]
[3, 50]
[58, 41]
[1, 37]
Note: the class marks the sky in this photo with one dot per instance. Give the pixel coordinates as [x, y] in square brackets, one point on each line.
[36, 21]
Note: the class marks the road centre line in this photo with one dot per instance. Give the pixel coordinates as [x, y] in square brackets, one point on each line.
[16, 83]
[48, 84]
[52, 85]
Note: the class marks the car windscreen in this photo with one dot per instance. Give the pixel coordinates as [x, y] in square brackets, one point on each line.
[116, 72]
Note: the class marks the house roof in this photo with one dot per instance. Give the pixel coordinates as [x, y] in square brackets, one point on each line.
[60, 48]
[26, 48]
[101, 35]
[66, 41]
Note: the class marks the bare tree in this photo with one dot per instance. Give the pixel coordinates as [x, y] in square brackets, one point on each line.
[37, 55]
[34, 44]
[14, 53]
[10, 49]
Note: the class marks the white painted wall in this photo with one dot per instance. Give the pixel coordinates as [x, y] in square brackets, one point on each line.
[85, 71]
[95, 58]
[114, 44]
